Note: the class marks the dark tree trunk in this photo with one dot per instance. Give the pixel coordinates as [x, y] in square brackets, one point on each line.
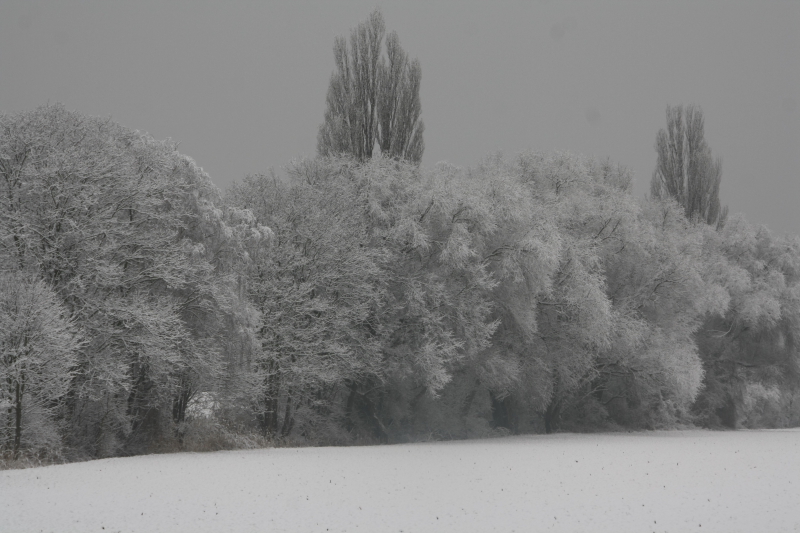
[348, 410]
[18, 420]
[179, 405]
[361, 405]
[466, 405]
[504, 413]
[288, 418]
[727, 413]
[380, 429]
[551, 416]
[268, 419]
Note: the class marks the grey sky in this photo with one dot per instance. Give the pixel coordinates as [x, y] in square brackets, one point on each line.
[242, 85]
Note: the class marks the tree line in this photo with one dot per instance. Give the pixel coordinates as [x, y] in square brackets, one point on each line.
[360, 298]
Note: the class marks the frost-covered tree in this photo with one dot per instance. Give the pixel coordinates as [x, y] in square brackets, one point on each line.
[658, 281]
[372, 98]
[317, 290]
[518, 245]
[591, 208]
[685, 169]
[39, 346]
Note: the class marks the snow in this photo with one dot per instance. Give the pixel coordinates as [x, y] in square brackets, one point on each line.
[656, 481]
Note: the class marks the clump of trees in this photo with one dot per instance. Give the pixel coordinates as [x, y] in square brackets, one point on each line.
[360, 298]
[748, 348]
[120, 241]
[523, 295]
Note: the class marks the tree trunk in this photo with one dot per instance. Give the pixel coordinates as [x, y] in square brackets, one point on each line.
[179, 405]
[269, 417]
[18, 420]
[466, 405]
[504, 413]
[380, 429]
[288, 419]
[348, 410]
[551, 416]
[272, 421]
[727, 413]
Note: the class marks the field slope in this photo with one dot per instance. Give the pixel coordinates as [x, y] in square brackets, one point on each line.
[657, 481]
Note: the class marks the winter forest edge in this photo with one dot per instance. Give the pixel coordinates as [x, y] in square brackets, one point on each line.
[358, 298]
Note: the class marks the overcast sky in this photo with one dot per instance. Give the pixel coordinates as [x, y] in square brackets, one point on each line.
[241, 85]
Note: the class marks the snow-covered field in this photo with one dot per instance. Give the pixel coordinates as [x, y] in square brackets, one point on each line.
[658, 481]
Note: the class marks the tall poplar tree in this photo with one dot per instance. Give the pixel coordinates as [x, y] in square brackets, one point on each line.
[685, 169]
[371, 98]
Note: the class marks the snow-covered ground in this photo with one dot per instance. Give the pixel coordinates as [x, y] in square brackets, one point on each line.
[660, 481]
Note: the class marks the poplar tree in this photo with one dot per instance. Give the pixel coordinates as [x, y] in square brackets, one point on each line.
[685, 169]
[372, 99]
